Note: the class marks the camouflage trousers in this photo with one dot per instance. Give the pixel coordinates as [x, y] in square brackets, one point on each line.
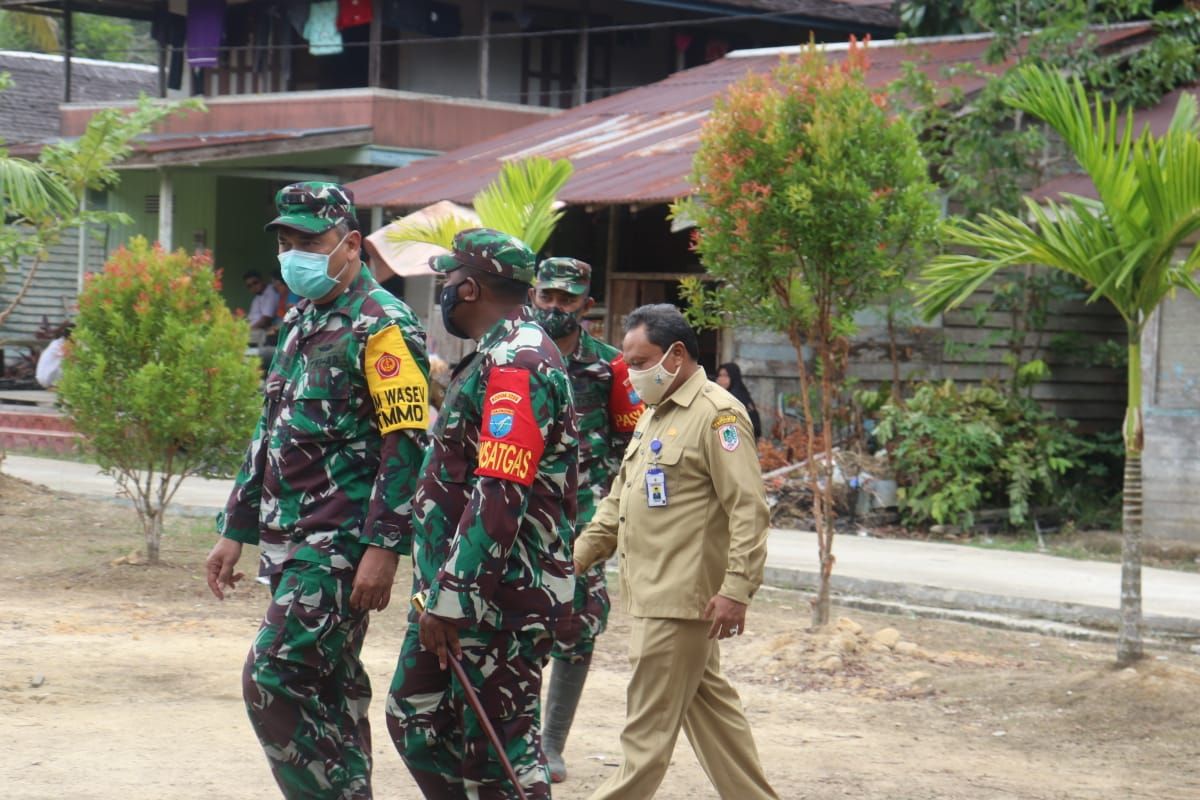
[441, 739]
[306, 690]
[577, 639]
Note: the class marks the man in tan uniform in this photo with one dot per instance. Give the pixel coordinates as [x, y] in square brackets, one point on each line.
[688, 516]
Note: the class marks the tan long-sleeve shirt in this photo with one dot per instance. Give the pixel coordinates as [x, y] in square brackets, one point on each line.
[711, 536]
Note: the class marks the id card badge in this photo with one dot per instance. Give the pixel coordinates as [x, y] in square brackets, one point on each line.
[656, 488]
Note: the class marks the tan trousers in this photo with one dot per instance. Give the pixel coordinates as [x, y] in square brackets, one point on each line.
[677, 682]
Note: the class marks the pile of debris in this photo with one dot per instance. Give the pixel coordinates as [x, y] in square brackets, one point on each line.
[845, 656]
[864, 492]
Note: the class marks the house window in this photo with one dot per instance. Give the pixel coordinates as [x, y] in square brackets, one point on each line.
[549, 64]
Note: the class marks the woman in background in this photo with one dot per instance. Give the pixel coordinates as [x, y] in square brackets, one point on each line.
[729, 378]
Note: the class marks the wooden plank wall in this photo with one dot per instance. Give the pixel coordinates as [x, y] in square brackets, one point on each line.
[1092, 395]
[53, 288]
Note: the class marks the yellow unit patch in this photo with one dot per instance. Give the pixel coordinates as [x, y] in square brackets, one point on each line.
[724, 419]
[398, 386]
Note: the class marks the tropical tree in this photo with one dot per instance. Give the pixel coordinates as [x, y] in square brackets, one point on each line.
[42, 200]
[1124, 247]
[811, 203]
[520, 202]
[155, 324]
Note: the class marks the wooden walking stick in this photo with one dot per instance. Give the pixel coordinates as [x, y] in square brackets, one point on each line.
[418, 602]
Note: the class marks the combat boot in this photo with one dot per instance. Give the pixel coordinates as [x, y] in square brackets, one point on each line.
[562, 698]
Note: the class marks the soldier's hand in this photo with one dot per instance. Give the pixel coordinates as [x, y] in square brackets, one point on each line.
[218, 567]
[440, 636]
[373, 580]
[728, 617]
[580, 569]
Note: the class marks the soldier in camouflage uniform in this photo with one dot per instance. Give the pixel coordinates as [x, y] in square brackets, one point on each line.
[608, 409]
[325, 491]
[493, 518]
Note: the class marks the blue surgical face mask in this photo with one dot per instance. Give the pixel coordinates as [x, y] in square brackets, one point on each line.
[307, 274]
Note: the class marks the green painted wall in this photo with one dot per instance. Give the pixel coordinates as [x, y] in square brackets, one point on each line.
[129, 196]
[242, 206]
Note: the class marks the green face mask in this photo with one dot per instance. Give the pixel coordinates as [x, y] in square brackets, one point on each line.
[556, 322]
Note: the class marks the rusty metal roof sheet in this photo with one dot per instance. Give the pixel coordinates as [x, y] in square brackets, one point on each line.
[637, 146]
[1157, 117]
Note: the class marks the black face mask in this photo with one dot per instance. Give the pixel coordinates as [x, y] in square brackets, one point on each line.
[449, 299]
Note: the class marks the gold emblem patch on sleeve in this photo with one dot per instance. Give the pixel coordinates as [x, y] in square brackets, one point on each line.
[724, 419]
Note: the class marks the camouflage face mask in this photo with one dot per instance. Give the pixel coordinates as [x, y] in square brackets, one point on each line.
[557, 323]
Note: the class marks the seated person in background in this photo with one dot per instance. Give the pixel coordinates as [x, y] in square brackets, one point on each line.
[287, 299]
[49, 365]
[263, 307]
[729, 378]
[263, 322]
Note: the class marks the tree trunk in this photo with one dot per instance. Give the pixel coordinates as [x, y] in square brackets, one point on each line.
[825, 526]
[152, 525]
[24, 290]
[1129, 642]
[820, 604]
[894, 356]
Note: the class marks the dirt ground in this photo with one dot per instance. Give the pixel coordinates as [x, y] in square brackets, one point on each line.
[121, 681]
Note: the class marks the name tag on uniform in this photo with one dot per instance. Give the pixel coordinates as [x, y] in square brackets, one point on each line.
[656, 488]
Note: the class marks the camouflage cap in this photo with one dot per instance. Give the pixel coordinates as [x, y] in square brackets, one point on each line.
[567, 274]
[313, 206]
[491, 251]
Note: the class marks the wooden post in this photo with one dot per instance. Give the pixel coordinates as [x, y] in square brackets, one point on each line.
[162, 18]
[68, 46]
[485, 35]
[166, 209]
[581, 58]
[374, 56]
[610, 266]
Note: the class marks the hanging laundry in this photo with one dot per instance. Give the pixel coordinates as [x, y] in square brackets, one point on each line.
[407, 15]
[205, 26]
[324, 38]
[297, 14]
[352, 13]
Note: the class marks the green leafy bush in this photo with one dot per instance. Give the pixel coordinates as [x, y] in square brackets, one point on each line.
[956, 451]
[156, 376]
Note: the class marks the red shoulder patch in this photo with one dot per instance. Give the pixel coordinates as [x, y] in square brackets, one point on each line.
[510, 441]
[624, 405]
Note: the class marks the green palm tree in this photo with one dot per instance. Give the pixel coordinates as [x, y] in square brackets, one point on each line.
[520, 202]
[1125, 246]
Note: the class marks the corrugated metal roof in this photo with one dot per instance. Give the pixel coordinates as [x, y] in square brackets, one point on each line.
[637, 146]
[1158, 117]
[150, 148]
[29, 109]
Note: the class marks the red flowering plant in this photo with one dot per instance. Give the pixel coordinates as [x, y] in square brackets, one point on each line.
[812, 201]
[156, 376]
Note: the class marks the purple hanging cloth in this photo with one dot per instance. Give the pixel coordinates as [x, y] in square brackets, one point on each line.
[205, 25]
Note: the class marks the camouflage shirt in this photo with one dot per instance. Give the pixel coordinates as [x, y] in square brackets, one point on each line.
[608, 409]
[334, 460]
[495, 508]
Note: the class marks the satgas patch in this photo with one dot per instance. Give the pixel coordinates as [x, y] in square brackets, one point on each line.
[724, 419]
[729, 437]
[399, 388]
[511, 443]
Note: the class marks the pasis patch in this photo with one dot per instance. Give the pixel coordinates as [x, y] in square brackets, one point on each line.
[511, 443]
[624, 405]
